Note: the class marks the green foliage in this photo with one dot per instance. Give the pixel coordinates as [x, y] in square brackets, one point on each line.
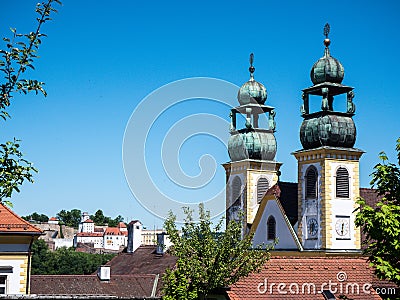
[70, 218]
[177, 286]
[208, 258]
[99, 219]
[381, 224]
[64, 260]
[36, 217]
[18, 55]
[14, 170]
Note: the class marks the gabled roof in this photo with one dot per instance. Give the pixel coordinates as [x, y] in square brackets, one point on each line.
[114, 231]
[121, 225]
[122, 286]
[143, 261]
[270, 206]
[134, 222]
[307, 271]
[88, 221]
[53, 219]
[11, 223]
[89, 234]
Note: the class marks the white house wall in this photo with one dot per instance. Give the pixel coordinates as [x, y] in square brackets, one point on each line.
[283, 233]
[14, 279]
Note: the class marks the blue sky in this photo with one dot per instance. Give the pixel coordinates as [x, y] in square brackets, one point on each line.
[102, 58]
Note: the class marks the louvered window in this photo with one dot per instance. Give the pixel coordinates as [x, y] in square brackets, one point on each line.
[236, 188]
[311, 183]
[262, 188]
[342, 183]
[3, 285]
[271, 228]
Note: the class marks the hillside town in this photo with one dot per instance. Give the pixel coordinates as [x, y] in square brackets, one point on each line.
[92, 238]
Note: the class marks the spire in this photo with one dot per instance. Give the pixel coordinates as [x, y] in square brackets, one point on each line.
[327, 41]
[251, 68]
[327, 68]
[252, 91]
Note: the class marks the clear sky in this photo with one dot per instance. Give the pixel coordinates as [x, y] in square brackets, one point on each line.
[102, 58]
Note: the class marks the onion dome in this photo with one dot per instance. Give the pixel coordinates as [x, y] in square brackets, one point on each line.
[327, 68]
[252, 91]
[328, 130]
[255, 144]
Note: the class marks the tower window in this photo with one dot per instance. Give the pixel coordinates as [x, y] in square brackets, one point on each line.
[262, 188]
[311, 183]
[3, 283]
[271, 228]
[236, 189]
[342, 183]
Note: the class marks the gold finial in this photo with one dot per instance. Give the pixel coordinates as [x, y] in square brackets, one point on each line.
[327, 29]
[251, 68]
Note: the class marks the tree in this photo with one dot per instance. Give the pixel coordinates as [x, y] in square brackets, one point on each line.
[115, 222]
[98, 217]
[208, 259]
[17, 57]
[381, 224]
[70, 218]
[37, 217]
[64, 261]
[40, 256]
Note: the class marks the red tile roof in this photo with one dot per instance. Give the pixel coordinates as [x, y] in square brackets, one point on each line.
[53, 219]
[89, 234]
[121, 225]
[114, 231]
[299, 271]
[12, 223]
[123, 286]
[88, 221]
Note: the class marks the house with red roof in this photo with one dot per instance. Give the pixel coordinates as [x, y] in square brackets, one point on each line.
[91, 237]
[16, 238]
[53, 220]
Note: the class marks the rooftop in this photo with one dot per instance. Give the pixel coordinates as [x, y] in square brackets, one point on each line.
[296, 274]
[12, 223]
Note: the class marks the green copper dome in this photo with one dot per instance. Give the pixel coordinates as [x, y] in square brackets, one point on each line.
[251, 92]
[328, 130]
[252, 144]
[327, 69]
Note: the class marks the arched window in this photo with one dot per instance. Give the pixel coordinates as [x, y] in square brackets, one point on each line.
[342, 183]
[262, 188]
[271, 228]
[311, 183]
[236, 188]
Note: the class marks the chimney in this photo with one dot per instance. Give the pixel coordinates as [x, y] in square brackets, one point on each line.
[134, 236]
[161, 243]
[104, 273]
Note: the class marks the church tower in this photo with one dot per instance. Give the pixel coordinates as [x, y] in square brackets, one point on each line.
[328, 165]
[252, 169]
